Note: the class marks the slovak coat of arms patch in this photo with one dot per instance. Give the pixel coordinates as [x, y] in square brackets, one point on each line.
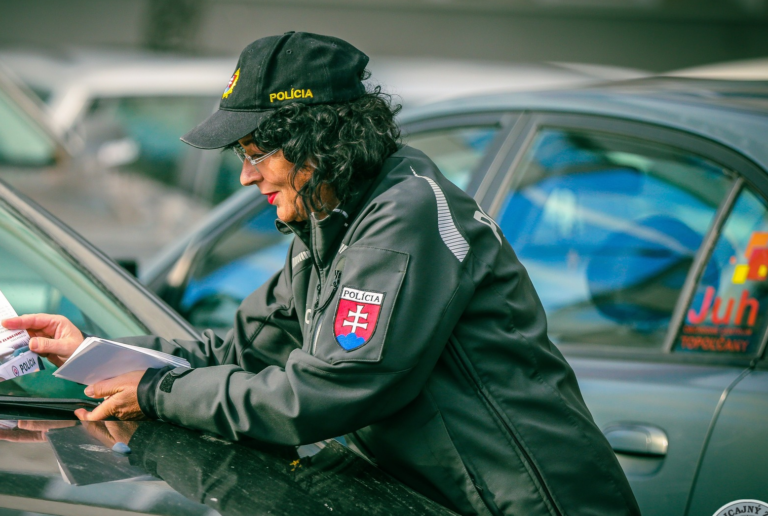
[356, 316]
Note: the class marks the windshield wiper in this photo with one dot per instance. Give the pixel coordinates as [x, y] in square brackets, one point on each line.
[60, 404]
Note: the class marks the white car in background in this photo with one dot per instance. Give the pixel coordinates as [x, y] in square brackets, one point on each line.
[127, 109]
[129, 218]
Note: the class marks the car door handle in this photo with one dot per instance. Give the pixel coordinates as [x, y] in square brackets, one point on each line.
[637, 439]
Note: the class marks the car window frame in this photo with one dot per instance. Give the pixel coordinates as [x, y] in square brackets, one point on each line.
[505, 121]
[155, 316]
[745, 172]
[34, 112]
[199, 246]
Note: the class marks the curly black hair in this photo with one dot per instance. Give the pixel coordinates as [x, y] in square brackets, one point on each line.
[344, 145]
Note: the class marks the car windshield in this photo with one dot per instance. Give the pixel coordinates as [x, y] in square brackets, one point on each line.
[37, 276]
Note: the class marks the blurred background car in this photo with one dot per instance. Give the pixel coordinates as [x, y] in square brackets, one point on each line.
[639, 210]
[130, 219]
[127, 109]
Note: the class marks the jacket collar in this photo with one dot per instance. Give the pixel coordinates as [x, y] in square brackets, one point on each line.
[324, 236]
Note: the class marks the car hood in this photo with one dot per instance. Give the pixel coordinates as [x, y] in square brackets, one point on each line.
[68, 467]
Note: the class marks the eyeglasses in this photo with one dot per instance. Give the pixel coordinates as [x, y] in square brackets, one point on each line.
[240, 152]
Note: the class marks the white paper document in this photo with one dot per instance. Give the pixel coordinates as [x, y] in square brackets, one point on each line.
[10, 340]
[97, 359]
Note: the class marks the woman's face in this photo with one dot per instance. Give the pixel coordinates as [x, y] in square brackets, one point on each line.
[272, 177]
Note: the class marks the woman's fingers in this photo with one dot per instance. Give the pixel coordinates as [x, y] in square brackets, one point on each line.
[106, 387]
[44, 346]
[103, 411]
[122, 403]
[53, 336]
[31, 321]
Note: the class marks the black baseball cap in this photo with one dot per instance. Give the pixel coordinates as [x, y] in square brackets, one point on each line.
[275, 71]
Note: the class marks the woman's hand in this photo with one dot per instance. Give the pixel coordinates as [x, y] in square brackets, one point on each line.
[121, 398]
[53, 336]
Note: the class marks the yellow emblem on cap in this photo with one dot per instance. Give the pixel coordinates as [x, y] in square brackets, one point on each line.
[232, 83]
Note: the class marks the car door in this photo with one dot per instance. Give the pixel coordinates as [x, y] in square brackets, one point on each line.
[229, 266]
[733, 466]
[45, 268]
[614, 222]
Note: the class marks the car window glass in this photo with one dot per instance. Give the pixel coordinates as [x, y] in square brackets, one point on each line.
[238, 263]
[456, 151]
[22, 141]
[37, 277]
[143, 133]
[608, 227]
[727, 311]
[226, 181]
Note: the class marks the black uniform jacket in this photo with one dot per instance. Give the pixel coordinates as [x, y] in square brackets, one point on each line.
[405, 320]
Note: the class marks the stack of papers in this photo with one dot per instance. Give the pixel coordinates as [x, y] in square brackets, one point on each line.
[97, 359]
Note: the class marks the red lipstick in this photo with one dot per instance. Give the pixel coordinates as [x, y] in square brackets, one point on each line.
[271, 197]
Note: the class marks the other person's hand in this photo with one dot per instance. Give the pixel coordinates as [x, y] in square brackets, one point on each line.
[121, 401]
[53, 336]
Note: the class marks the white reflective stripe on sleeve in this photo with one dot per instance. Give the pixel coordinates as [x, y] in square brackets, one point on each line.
[299, 258]
[448, 232]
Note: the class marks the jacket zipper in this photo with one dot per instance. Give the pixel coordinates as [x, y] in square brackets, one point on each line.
[495, 412]
[315, 335]
[320, 309]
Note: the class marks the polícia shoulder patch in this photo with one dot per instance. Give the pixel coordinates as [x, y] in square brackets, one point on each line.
[356, 317]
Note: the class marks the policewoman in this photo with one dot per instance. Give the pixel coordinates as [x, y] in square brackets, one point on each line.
[401, 319]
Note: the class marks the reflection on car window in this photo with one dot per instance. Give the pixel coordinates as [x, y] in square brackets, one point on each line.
[226, 180]
[607, 228]
[37, 277]
[727, 312]
[456, 151]
[153, 126]
[22, 141]
[239, 262]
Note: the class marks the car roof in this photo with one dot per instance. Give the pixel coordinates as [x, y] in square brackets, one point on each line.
[417, 80]
[734, 113]
[70, 78]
